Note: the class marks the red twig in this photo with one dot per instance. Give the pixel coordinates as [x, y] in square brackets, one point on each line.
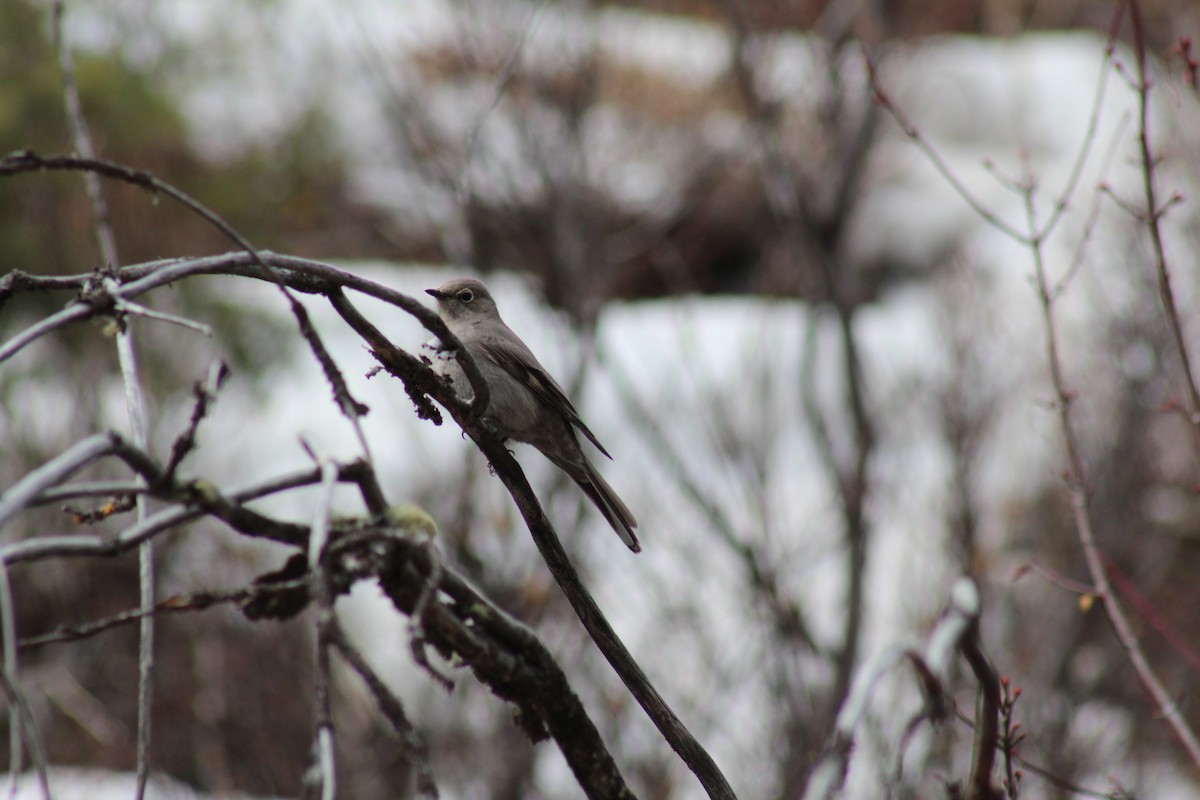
[1062, 582]
[1034, 238]
[1144, 607]
[1191, 65]
[1081, 508]
[1010, 737]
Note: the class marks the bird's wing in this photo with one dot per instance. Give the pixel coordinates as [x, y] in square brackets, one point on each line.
[519, 362]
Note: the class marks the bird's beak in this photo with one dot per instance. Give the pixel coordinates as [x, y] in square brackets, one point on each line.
[436, 293]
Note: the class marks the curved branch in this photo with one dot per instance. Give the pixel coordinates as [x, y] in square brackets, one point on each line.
[503, 653]
[315, 277]
[299, 274]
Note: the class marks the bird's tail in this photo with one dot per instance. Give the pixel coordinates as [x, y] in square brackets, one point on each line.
[610, 505]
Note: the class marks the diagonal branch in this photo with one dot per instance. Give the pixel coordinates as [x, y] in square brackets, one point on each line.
[1077, 481]
[1154, 214]
[313, 277]
[1081, 509]
[417, 379]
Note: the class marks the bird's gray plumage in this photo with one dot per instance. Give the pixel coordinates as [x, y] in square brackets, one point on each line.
[525, 402]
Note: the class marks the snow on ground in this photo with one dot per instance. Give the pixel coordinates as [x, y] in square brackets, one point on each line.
[96, 784]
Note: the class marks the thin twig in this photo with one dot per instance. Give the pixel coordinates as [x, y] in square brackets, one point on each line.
[23, 493]
[1177, 640]
[1061, 581]
[500, 84]
[43, 326]
[73, 491]
[81, 137]
[935, 158]
[1093, 215]
[127, 357]
[204, 394]
[350, 408]
[37, 753]
[176, 604]
[416, 621]
[1077, 476]
[134, 309]
[206, 500]
[323, 686]
[1010, 736]
[1050, 777]
[787, 615]
[393, 711]
[1153, 216]
[1085, 149]
[952, 634]
[1081, 508]
[8, 637]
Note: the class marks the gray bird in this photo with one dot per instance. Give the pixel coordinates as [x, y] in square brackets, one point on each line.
[525, 403]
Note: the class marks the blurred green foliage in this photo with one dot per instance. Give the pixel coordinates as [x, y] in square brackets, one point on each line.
[43, 218]
[284, 194]
[289, 193]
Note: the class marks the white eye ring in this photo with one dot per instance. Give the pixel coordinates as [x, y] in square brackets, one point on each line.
[466, 295]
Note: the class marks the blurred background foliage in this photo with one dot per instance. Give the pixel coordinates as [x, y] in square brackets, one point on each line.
[289, 192]
[518, 188]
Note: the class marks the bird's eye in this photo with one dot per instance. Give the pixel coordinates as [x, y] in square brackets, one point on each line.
[466, 295]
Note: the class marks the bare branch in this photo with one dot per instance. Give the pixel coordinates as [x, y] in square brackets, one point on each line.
[416, 626]
[503, 653]
[25, 160]
[1080, 505]
[133, 309]
[176, 604]
[323, 685]
[509, 658]
[204, 394]
[300, 274]
[393, 711]
[72, 491]
[351, 409]
[8, 636]
[200, 498]
[935, 158]
[956, 632]
[420, 379]
[987, 704]
[1152, 215]
[28, 726]
[81, 137]
[1080, 493]
[788, 616]
[23, 493]
[43, 326]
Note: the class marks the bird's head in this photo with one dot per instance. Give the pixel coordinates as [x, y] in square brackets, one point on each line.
[463, 300]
